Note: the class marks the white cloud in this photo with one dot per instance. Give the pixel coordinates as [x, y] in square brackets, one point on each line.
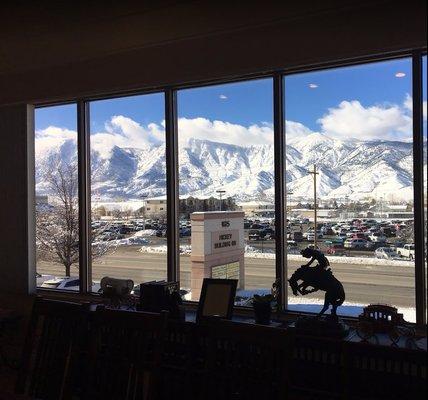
[223, 97]
[296, 129]
[124, 132]
[52, 137]
[224, 132]
[408, 104]
[400, 75]
[119, 131]
[313, 85]
[352, 119]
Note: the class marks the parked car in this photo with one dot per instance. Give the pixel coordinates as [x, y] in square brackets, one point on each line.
[359, 235]
[374, 245]
[408, 250]
[355, 244]
[386, 253]
[67, 283]
[388, 231]
[296, 236]
[335, 249]
[327, 230]
[261, 234]
[161, 233]
[377, 237]
[40, 278]
[310, 236]
[185, 232]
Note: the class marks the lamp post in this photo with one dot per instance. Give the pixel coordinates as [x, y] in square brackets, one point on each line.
[315, 173]
[144, 196]
[347, 206]
[220, 192]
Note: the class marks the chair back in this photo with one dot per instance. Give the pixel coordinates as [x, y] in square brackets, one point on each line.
[316, 365]
[182, 362]
[125, 354]
[245, 361]
[385, 372]
[51, 349]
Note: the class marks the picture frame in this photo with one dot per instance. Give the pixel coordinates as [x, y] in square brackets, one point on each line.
[217, 298]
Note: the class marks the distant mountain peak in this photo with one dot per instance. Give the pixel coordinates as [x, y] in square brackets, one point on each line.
[347, 168]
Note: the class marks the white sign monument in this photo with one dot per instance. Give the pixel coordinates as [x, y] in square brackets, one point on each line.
[217, 248]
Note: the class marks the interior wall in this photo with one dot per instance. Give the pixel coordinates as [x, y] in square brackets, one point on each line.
[17, 255]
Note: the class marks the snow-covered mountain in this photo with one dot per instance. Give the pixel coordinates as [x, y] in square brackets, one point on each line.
[352, 168]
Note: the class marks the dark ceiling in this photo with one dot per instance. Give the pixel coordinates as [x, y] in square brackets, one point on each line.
[63, 49]
[40, 34]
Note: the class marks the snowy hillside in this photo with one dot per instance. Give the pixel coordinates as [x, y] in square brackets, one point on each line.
[354, 168]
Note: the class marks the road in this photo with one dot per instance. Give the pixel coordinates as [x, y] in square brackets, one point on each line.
[363, 283]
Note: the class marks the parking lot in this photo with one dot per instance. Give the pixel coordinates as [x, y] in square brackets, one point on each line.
[356, 237]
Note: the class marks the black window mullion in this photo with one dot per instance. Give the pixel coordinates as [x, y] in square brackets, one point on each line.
[418, 188]
[172, 188]
[280, 215]
[83, 156]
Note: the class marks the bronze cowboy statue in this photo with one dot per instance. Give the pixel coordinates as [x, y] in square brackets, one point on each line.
[307, 279]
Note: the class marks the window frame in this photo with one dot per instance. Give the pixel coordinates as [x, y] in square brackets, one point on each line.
[279, 97]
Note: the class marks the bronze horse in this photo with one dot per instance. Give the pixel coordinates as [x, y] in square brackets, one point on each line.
[319, 279]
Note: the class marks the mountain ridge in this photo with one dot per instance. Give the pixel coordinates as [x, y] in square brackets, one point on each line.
[354, 168]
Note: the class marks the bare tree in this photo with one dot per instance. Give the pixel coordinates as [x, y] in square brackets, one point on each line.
[57, 224]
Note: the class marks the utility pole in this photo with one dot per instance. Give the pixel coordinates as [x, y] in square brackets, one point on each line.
[315, 173]
[220, 192]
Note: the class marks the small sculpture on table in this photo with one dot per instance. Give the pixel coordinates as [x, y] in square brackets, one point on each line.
[157, 296]
[384, 319]
[117, 292]
[307, 279]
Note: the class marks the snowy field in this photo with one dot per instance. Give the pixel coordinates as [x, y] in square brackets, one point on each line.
[251, 252]
[299, 303]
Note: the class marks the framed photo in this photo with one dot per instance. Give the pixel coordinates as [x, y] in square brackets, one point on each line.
[217, 298]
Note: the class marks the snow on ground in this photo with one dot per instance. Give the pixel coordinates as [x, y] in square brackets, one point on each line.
[299, 303]
[145, 232]
[184, 249]
[348, 308]
[359, 260]
[251, 252]
[154, 249]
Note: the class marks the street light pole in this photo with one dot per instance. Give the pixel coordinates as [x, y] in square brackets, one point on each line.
[315, 173]
[144, 197]
[220, 192]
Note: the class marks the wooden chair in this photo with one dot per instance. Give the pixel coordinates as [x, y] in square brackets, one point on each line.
[316, 366]
[183, 361]
[51, 349]
[383, 372]
[245, 361]
[124, 354]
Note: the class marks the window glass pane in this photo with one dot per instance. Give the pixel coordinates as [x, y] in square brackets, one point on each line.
[57, 227]
[226, 166]
[128, 188]
[354, 126]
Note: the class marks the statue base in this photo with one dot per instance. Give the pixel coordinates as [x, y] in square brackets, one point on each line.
[324, 326]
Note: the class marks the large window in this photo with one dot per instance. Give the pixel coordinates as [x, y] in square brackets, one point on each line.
[128, 188]
[226, 164]
[349, 186]
[57, 209]
[349, 146]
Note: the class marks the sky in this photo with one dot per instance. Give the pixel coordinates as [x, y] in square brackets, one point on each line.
[371, 101]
